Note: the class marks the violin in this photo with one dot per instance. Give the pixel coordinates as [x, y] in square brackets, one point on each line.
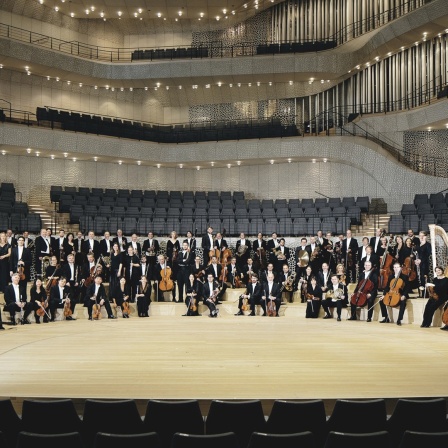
[359, 297]
[41, 311]
[260, 259]
[126, 308]
[21, 271]
[67, 310]
[94, 272]
[96, 310]
[271, 309]
[193, 307]
[238, 283]
[166, 284]
[52, 281]
[393, 297]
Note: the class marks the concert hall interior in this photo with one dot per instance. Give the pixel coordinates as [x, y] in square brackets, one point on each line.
[233, 160]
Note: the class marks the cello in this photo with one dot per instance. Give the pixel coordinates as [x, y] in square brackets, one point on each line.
[385, 267]
[392, 298]
[359, 297]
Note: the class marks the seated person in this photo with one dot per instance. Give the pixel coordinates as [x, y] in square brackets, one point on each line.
[96, 294]
[335, 297]
[252, 294]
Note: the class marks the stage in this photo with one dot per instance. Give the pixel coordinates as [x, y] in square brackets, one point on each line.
[230, 357]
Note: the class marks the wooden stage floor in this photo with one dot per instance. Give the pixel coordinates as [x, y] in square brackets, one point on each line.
[173, 357]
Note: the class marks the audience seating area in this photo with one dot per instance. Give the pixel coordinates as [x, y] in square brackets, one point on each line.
[425, 210]
[295, 47]
[170, 53]
[15, 215]
[139, 211]
[176, 133]
[239, 424]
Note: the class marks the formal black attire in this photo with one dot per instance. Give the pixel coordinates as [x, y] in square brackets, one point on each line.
[132, 273]
[270, 245]
[119, 294]
[206, 244]
[349, 256]
[404, 291]
[73, 276]
[115, 261]
[69, 248]
[197, 272]
[264, 276]
[25, 257]
[196, 290]
[402, 253]
[241, 259]
[324, 281]
[4, 267]
[424, 254]
[40, 297]
[313, 304]
[104, 250]
[374, 244]
[232, 272]
[306, 280]
[275, 293]
[11, 299]
[220, 244]
[207, 293]
[53, 271]
[57, 301]
[216, 271]
[283, 278]
[338, 304]
[184, 262]
[315, 261]
[137, 247]
[254, 291]
[92, 246]
[191, 244]
[435, 301]
[278, 266]
[57, 243]
[144, 301]
[151, 248]
[42, 249]
[245, 273]
[159, 271]
[300, 270]
[80, 256]
[373, 277]
[122, 243]
[172, 251]
[101, 294]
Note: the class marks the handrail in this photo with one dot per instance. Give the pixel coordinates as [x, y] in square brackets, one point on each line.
[215, 48]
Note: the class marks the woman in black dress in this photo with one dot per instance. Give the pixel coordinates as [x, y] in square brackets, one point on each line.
[172, 249]
[193, 288]
[313, 299]
[116, 266]
[122, 294]
[5, 253]
[143, 296]
[437, 298]
[38, 298]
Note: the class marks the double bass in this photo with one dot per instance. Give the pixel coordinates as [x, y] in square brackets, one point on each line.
[359, 297]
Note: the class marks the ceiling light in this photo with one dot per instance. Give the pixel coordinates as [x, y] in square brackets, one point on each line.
[201, 14]
[57, 78]
[212, 163]
[131, 89]
[158, 84]
[245, 5]
[96, 87]
[74, 159]
[121, 89]
[325, 160]
[80, 84]
[258, 83]
[233, 13]
[230, 85]
[195, 86]
[92, 8]
[1, 65]
[181, 166]
[41, 2]
[119, 13]
[56, 8]
[314, 160]
[217, 17]
[289, 160]
[180, 87]
[120, 162]
[207, 86]
[239, 84]
[48, 78]
[28, 150]
[146, 88]
[72, 14]
[69, 82]
[167, 87]
[139, 162]
[3, 152]
[238, 162]
[158, 165]
[180, 13]
[159, 14]
[224, 11]
[107, 87]
[291, 83]
[377, 58]
[37, 153]
[198, 168]
[271, 162]
[52, 156]
[250, 84]
[219, 84]
[113, 89]
[101, 14]
[175, 19]
[95, 159]
[135, 14]
[65, 154]
[229, 165]
[87, 12]
[270, 83]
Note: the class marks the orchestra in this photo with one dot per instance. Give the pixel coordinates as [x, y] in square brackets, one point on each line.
[202, 270]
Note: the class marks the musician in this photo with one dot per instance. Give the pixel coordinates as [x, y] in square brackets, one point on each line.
[272, 244]
[184, 263]
[91, 245]
[216, 270]
[191, 241]
[243, 248]
[282, 256]
[58, 246]
[116, 267]
[42, 250]
[331, 255]
[384, 247]
[54, 269]
[20, 257]
[88, 267]
[97, 294]
[320, 239]
[285, 281]
[121, 240]
[159, 271]
[5, 254]
[313, 299]
[338, 249]
[336, 296]
[59, 296]
[143, 296]
[370, 274]
[361, 253]
[193, 291]
[313, 250]
[303, 283]
[269, 270]
[210, 292]
[404, 293]
[220, 243]
[29, 243]
[437, 297]
[69, 245]
[106, 245]
[252, 294]
[207, 244]
[72, 274]
[120, 294]
[150, 248]
[233, 271]
[370, 256]
[132, 272]
[136, 246]
[324, 278]
[10, 238]
[259, 243]
[144, 266]
[423, 254]
[39, 300]
[415, 240]
[78, 244]
[340, 272]
[375, 241]
[197, 269]
[271, 291]
[248, 270]
[401, 249]
[302, 262]
[16, 300]
[349, 250]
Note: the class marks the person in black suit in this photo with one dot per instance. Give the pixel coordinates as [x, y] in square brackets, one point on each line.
[234, 274]
[271, 291]
[20, 257]
[349, 251]
[121, 240]
[120, 294]
[185, 259]
[59, 245]
[207, 244]
[375, 241]
[16, 300]
[10, 238]
[43, 249]
[423, 256]
[314, 251]
[324, 278]
[198, 270]
[135, 245]
[106, 245]
[132, 272]
[243, 248]
[370, 274]
[29, 242]
[97, 294]
[91, 245]
[144, 266]
[143, 296]
[78, 244]
[210, 292]
[338, 291]
[150, 249]
[285, 277]
[403, 291]
[191, 240]
[220, 243]
[313, 299]
[247, 271]
[160, 273]
[59, 296]
[360, 254]
[215, 269]
[193, 290]
[272, 244]
[372, 257]
[73, 275]
[414, 239]
[282, 256]
[252, 294]
[264, 274]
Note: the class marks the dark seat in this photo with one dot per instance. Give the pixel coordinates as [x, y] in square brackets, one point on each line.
[111, 417]
[225, 440]
[10, 423]
[417, 415]
[168, 417]
[263, 440]
[414, 439]
[60, 417]
[31, 440]
[348, 440]
[288, 417]
[240, 417]
[145, 440]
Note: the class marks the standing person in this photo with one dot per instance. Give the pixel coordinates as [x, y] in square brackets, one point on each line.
[143, 296]
[184, 265]
[132, 272]
[302, 257]
[360, 254]
[91, 245]
[20, 258]
[207, 244]
[423, 255]
[375, 241]
[73, 276]
[135, 245]
[287, 282]
[69, 245]
[16, 300]
[314, 250]
[151, 248]
[338, 298]
[116, 267]
[313, 299]
[106, 245]
[349, 250]
[43, 249]
[121, 240]
[437, 297]
[233, 274]
[243, 248]
[81, 256]
[59, 246]
[5, 253]
[282, 257]
[191, 240]
[163, 272]
[271, 246]
[198, 270]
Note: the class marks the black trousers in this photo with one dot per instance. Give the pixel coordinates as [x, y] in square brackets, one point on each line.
[430, 308]
[55, 305]
[106, 305]
[328, 303]
[277, 302]
[369, 304]
[13, 308]
[312, 309]
[402, 308]
[211, 305]
[182, 279]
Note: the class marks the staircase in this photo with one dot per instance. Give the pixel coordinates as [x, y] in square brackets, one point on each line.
[370, 223]
[52, 219]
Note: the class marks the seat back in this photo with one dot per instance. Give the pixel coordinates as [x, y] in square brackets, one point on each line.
[224, 440]
[145, 440]
[350, 440]
[263, 440]
[31, 440]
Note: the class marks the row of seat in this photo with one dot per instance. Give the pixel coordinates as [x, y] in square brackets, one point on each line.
[117, 127]
[422, 209]
[432, 198]
[400, 225]
[239, 417]
[233, 227]
[170, 53]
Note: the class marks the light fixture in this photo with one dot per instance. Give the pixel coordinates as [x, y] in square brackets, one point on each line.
[180, 13]
[37, 153]
[48, 78]
[181, 166]
[271, 162]
[217, 18]
[92, 8]
[159, 14]
[120, 162]
[195, 86]
[289, 160]
[139, 162]
[80, 84]
[131, 89]
[207, 86]
[56, 8]
[239, 84]
[41, 2]
[213, 163]
[258, 84]
[65, 154]
[224, 11]
[158, 165]
[180, 87]
[238, 162]
[219, 83]
[52, 156]
[233, 13]
[146, 88]
[28, 150]
[1, 65]
[72, 14]
[250, 84]
[74, 159]
[158, 84]
[119, 13]
[95, 159]
[201, 14]
[135, 14]
[102, 14]
[69, 82]
[229, 165]
[198, 168]
[87, 11]
[113, 89]
[230, 85]
[314, 160]
[325, 160]
[270, 83]
[57, 78]
[167, 87]
[95, 87]
[107, 87]
[121, 89]
[291, 83]
[3, 152]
